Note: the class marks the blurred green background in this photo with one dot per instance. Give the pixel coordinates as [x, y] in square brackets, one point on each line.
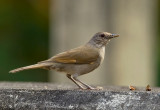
[23, 38]
[157, 49]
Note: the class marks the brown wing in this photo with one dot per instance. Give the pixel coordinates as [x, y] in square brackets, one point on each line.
[81, 55]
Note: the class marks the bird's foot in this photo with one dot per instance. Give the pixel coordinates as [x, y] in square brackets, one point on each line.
[91, 88]
[95, 88]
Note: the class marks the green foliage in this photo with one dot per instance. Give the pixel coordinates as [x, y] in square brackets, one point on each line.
[23, 38]
[157, 46]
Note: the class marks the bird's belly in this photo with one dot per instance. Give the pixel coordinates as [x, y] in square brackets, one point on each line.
[80, 69]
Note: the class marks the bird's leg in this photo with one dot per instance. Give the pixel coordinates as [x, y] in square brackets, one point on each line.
[75, 81]
[88, 86]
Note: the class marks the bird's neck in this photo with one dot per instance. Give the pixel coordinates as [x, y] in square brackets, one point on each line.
[97, 44]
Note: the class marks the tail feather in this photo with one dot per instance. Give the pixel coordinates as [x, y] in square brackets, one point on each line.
[39, 65]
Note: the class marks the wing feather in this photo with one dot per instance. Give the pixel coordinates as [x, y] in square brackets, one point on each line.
[81, 55]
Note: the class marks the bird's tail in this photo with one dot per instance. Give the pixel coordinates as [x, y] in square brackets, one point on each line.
[39, 65]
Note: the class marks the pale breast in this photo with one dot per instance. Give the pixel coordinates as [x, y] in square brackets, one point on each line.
[80, 69]
[102, 53]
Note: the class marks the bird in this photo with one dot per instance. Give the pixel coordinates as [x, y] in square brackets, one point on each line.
[78, 61]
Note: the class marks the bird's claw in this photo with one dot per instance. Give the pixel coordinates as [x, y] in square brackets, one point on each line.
[96, 88]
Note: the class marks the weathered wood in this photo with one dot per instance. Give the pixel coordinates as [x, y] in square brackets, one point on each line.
[45, 96]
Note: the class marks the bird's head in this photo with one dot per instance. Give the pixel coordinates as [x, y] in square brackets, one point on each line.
[100, 39]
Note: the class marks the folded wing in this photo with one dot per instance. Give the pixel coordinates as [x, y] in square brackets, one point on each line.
[81, 55]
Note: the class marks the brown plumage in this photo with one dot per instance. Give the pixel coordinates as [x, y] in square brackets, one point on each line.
[40, 65]
[77, 61]
[78, 55]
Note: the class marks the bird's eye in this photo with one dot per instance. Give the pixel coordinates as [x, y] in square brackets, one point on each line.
[102, 35]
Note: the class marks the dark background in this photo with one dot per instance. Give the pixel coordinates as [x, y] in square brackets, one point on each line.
[23, 38]
[157, 50]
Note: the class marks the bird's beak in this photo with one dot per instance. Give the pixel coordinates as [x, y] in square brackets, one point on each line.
[113, 36]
